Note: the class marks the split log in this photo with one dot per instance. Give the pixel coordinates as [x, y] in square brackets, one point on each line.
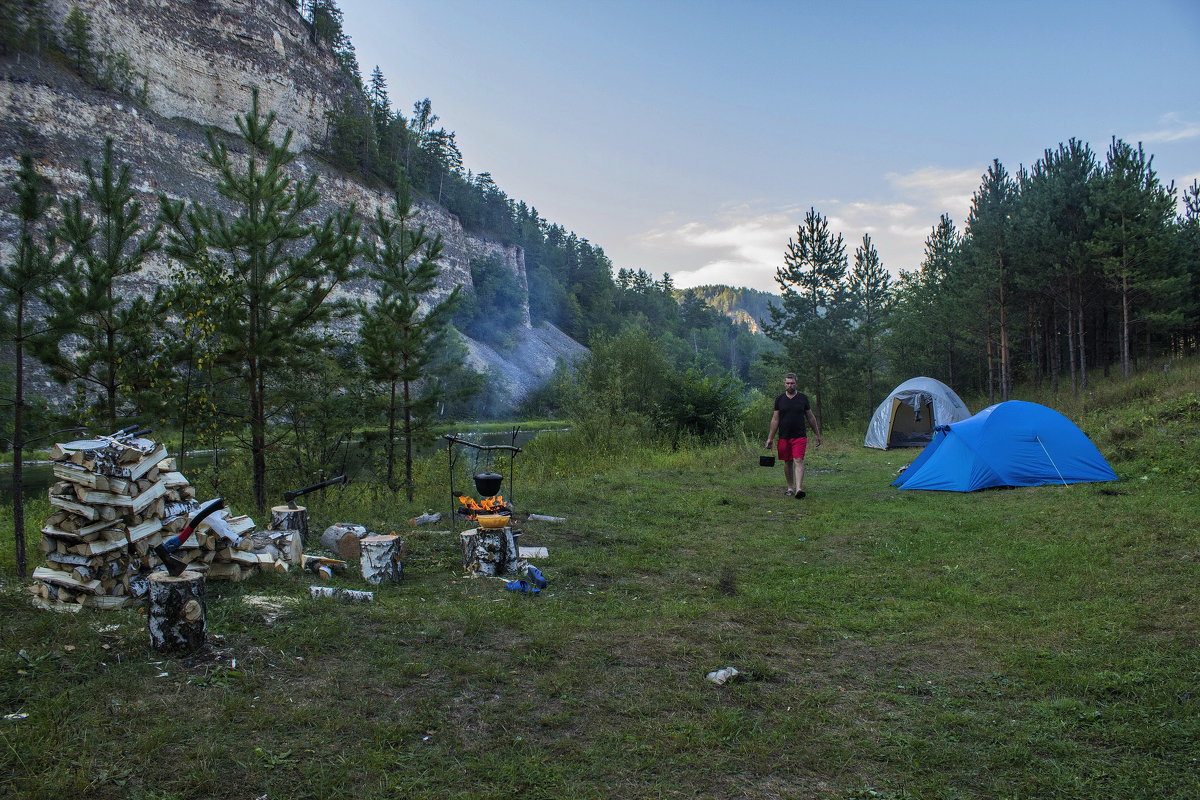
[325, 567]
[342, 539]
[286, 518]
[341, 594]
[381, 558]
[177, 612]
[490, 551]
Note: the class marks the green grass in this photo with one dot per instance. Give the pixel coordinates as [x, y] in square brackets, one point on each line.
[1022, 643]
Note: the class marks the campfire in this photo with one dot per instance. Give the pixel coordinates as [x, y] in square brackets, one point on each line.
[492, 505]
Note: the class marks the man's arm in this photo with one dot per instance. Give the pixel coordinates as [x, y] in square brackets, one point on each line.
[812, 422]
[774, 427]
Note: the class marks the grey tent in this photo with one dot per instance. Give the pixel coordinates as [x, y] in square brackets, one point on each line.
[910, 413]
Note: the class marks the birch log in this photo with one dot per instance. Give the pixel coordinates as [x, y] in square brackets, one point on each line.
[381, 558]
[177, 612]
[490, 552]
[350, 595]
[342, 539]
[286, 518]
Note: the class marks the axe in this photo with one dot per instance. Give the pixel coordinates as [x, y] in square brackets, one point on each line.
[290, 497]
[174, 566]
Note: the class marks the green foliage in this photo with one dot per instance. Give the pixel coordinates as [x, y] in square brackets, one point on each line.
[32, 274]
[709, 408]
[77, 41]
[105, 352]
[812, 321]
[279, 269]
[399, 340]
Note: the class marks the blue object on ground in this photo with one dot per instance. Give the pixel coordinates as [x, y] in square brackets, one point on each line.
[536, 576]
[521, 586]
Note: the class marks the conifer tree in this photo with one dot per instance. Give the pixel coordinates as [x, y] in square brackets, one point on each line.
[869, 285]
[811, 321]
[399, 340]
[989, 235]
[77, 42]
[280, 265]
[1134, 214]
[1188, 228]
[109, 330]
[32, 270]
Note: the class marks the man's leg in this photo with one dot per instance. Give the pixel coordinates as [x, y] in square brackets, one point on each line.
[799, 470]
[788, 472]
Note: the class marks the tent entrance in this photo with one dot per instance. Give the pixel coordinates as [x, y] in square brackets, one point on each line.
[911, 427]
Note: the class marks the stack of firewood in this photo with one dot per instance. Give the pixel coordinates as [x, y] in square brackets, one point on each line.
[115, 499]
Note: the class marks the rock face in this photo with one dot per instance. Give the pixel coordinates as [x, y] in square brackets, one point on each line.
[201, 61]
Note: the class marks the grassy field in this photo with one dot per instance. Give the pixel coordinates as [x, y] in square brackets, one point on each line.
[1022, 643]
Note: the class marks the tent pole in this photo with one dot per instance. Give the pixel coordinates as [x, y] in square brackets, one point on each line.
[1047, 452]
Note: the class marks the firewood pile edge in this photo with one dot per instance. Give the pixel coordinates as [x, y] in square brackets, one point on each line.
[114, 499]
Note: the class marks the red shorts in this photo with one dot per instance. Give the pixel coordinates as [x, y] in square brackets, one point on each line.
[792, 449]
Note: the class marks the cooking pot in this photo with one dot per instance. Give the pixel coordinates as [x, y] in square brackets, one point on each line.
[766, 461]
[488, 484]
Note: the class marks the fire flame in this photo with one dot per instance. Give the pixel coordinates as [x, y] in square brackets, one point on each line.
[491, 505]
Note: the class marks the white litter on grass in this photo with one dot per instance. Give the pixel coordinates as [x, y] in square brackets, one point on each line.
[16, 716]
[722, 676]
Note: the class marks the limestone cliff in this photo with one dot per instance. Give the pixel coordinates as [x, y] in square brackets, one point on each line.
[200, 61]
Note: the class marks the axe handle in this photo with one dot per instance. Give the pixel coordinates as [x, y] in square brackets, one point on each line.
[176, 541]
[290, 496]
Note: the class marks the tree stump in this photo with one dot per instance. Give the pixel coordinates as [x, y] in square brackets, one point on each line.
[286, 518]
[342, 539]
[381, 558]
[490, 552]
[177, 612]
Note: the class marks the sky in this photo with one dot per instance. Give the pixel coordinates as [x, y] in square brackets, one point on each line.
[691, 137]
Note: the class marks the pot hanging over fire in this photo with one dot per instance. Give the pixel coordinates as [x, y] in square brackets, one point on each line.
[488, 484]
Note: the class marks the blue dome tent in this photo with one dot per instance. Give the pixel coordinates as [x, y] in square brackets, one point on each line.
[1009, 444]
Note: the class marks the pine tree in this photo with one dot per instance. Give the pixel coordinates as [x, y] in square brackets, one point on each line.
[33, 269]
[280, 267]
[109, 330]
[1133, 216]
[1188, 247]
[399, 341]
[869, 285]
[77, 42]
[1054, 231]
[989, 244]
[811, 322]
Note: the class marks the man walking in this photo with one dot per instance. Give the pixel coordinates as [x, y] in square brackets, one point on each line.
[792, 409]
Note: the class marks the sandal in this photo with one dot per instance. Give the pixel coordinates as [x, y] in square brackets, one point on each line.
[536, 577]
[788, 492]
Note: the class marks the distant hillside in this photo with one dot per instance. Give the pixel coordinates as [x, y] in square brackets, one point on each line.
[749, 306]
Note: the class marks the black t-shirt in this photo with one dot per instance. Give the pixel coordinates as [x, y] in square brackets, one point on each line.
[792, 413]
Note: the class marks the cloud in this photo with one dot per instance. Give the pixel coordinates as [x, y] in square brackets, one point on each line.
[948, 188]
[1171, 128]
[743, 245]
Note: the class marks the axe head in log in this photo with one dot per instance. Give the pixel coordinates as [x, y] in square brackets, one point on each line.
[174, 566]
